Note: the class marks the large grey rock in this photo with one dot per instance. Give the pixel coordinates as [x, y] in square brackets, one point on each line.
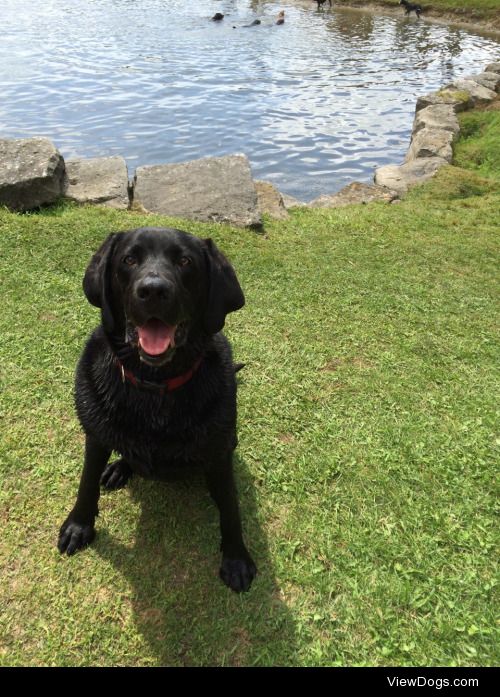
[402, 177]
[460, 100]
[478, 93]
[270, 201]
[31, 173]
[440, 116]
[355, 193]
[492, 68]
[211, 189]
[431, 142]
[102, 180]
[489, 80]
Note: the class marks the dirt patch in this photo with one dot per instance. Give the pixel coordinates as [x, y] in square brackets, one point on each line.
[332, 365]
[286, 438]
[492, 106]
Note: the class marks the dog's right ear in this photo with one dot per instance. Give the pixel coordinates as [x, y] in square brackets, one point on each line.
[97, 280]
[93, 281]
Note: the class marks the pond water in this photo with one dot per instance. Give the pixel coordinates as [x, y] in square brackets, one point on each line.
[314, 103]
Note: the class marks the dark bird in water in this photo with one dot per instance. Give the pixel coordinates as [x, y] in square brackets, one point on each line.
[322, 2]
[411, 7]
[217, 17]
[281, 17]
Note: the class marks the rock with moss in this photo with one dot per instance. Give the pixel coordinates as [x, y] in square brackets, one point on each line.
[460, 100]
[31, 173]
[478, 93]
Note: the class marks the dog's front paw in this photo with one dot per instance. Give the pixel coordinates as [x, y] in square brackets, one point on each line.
[238, 574]
[74, 536]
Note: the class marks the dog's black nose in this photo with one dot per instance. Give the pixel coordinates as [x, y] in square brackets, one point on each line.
[152, 288]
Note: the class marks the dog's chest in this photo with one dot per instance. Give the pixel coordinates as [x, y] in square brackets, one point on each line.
[153, 415]
[151, 430]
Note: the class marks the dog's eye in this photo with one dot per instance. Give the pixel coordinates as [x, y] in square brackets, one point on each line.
[184, 261]
[129, 260]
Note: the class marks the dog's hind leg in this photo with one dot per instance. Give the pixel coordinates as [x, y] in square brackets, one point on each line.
[116, 475]
[78, 531]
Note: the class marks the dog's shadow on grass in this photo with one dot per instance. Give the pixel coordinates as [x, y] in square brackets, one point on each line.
[181, 607]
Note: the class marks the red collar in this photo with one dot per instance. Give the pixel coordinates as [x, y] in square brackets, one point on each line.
[167, 385]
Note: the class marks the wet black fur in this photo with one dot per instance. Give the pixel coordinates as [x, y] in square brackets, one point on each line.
[155, 432]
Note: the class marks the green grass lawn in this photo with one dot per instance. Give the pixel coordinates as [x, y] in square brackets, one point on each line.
[366, 464]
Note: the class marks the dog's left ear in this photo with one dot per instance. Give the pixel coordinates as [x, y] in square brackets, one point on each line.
[224, 292]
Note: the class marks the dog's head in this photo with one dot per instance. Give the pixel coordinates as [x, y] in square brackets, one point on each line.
[158, 286]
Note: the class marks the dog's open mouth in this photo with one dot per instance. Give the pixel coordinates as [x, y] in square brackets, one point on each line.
[156, 341]
[156, 337]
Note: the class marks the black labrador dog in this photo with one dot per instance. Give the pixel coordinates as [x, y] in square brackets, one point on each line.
[411, 7]
[156, 381]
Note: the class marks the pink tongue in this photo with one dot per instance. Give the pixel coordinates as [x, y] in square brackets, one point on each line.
[155, 337]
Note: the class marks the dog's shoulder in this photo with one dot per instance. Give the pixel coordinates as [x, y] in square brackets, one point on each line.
[96, 359]
[97, 379]
[96, 347]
